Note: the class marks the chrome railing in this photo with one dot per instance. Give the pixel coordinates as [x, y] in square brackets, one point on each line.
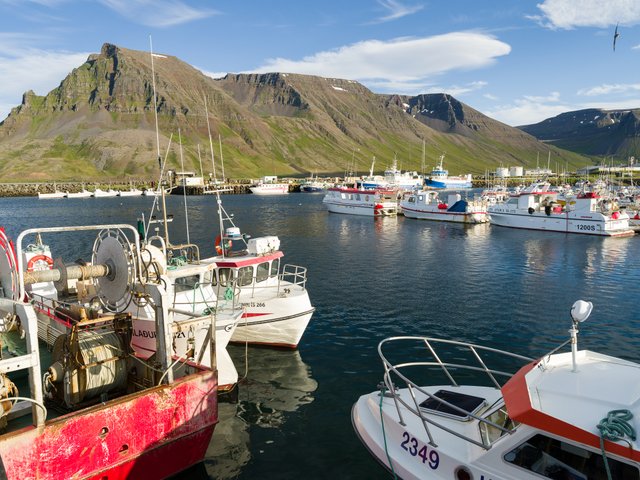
[446, 362]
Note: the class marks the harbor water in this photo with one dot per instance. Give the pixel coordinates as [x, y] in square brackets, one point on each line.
[370, 279]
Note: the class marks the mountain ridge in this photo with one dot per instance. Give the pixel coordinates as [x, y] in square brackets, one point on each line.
[100, 123]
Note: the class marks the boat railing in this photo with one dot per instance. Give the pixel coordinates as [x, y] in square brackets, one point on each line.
[29, 361]
[292, 275]
[447, 362]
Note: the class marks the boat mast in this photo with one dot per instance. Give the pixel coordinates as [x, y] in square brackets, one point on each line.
[213, 163]
[184, 187]
[221, 158]
[155, 111]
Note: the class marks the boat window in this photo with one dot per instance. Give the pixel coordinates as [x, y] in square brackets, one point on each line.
[225, 276]
[210, 278]
[275, 266]
[554, 458]
[262, 272]
[245, 276]
[186, 283]
[500, 417]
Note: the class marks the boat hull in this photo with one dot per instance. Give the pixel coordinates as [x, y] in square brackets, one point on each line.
[46, 196]
[587, 225]
[274, 321]
[155, 433]
[450, 183]
[365, 210]
[270, 189]
[445, 216]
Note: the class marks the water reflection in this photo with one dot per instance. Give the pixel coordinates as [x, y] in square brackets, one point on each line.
[278, 383]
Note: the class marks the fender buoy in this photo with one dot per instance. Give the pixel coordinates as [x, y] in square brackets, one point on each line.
[39, 258]
[219, 245]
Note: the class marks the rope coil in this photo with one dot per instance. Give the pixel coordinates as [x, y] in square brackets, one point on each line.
[615, 427]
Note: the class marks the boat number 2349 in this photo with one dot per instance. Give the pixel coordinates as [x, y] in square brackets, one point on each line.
[418, 449]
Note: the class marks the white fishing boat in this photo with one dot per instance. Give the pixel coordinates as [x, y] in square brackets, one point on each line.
[276, 303]
[269, 185]
[132, 192]
[538, 208]
[84, 193]
[394, 179]
[55, 194]
[440, 178]
[359, 201]
[427, 205]
[455, 410]
[99, 193]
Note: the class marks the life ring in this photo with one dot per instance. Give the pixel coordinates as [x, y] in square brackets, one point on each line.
[39, 258]
[219, 245]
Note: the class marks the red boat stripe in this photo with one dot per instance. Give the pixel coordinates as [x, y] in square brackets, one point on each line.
[518, 403]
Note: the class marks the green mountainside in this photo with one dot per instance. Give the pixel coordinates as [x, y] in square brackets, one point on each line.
[99, 124]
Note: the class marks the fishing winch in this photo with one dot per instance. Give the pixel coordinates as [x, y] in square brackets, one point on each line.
[88, 365]
[112, 269]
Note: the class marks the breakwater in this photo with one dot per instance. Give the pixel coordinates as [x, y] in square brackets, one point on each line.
[32, 189]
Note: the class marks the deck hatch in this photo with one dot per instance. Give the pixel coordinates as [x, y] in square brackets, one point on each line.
[469, 403]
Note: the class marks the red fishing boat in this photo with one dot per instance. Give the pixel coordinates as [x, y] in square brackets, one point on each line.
[99, 411]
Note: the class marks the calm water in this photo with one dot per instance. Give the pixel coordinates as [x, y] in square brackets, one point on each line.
[370, 279]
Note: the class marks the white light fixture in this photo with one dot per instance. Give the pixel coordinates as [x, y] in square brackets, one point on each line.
[581, 310]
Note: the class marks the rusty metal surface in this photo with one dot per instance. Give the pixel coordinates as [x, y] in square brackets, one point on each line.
[156, 432]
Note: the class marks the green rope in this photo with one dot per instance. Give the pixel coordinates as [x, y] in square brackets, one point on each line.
[615, 426]
[384, 436]
[228, 294]
[178, 261]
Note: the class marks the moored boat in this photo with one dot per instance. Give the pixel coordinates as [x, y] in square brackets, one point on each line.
[99, 193]
[538, 208]
[132, 192]
[359, 201]
[440, 178]
[427, 205]
[269, 185]
[464, 411]
[84, 193]
[147, 419]
[274, 297]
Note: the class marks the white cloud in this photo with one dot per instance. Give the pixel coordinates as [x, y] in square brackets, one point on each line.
[569, 14]
[529, 109]
[213, 75]
[157, 13]
[28, 68]
[412, 62]
[609, 89]
[396, 10]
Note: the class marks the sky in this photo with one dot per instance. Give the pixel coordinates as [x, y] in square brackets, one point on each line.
[517, 61]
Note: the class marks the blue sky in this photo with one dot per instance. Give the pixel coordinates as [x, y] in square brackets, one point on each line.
[517, 61]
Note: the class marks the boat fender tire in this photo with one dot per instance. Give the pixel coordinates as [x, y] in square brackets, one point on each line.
[531, 210]
[39, 258]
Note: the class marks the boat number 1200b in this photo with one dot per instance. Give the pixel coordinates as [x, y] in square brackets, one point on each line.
[418, 449]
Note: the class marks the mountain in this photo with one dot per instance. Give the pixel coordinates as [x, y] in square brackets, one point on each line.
[99, 123]
[592, 132]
